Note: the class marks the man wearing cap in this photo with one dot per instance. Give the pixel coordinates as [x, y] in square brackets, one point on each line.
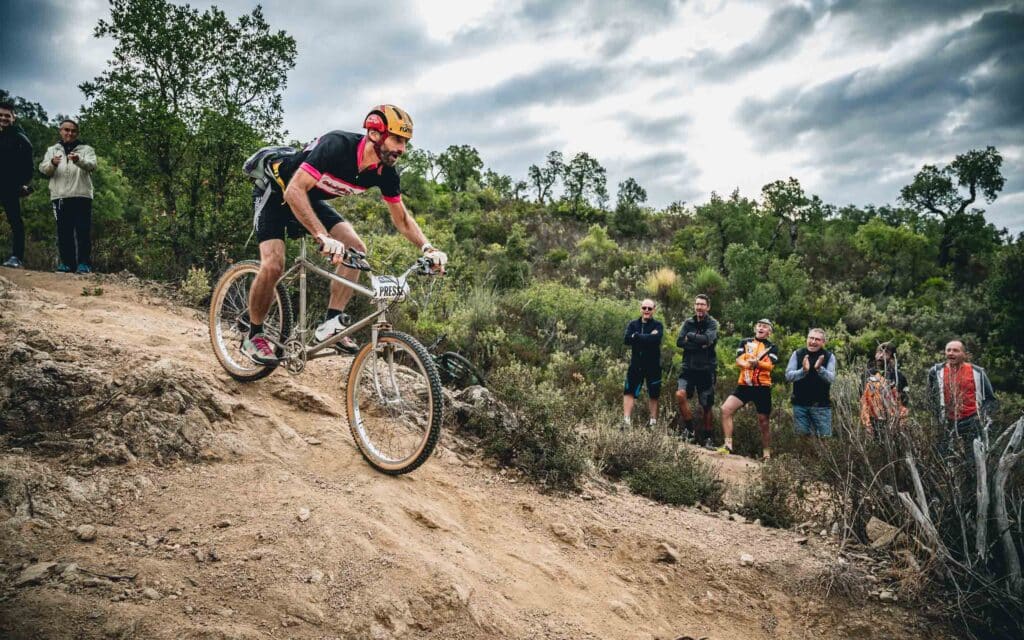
[756, 357]
[812, 370]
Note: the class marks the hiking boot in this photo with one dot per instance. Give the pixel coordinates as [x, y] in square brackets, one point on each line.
[14, 263]
[63, 268]
[335, 326]
[259, 349]
[83, 268]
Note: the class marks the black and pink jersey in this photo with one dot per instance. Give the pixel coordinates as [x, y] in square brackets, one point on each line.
[333, 159]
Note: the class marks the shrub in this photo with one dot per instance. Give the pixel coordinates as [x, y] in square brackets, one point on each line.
[685, 479]
[545, 444]
[775, 493]
[195, 288]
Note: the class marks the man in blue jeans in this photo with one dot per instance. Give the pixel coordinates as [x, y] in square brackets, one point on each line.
[812, 370]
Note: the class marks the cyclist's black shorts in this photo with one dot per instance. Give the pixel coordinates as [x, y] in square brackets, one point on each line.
[760, 396]
[635, 377]
[701, 383]
[273, 218]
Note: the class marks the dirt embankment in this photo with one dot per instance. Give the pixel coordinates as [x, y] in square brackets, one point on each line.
[144, 494]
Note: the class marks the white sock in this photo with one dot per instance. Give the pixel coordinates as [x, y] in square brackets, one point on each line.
[728, 443]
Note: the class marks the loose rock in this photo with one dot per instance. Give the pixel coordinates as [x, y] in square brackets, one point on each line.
[746, 560]
[667, 554]
[303, 514]
[85, 533]
[150, 593]
[34, 574]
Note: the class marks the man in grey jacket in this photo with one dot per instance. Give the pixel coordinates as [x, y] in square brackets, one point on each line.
[69, 165]
[961, 395]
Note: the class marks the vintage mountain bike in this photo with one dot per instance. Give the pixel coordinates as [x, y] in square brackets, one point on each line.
[393, 396]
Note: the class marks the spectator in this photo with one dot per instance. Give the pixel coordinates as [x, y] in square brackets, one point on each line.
[756, 357]
[961, 394]
[697, 339]
[812, 370]
[69, 164]
[644, 336]
[15, 175]
[884, 397]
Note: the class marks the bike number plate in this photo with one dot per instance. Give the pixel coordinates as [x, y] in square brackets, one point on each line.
[389, 288]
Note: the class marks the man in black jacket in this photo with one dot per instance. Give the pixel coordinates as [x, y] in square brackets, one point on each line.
[644, 336]
[15, 175]
[697, 339]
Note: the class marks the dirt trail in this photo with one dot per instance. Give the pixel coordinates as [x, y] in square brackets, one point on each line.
[272, 526]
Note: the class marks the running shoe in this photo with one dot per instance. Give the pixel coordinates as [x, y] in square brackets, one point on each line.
[83, 268]
[709, 445]
[14, 263]
[259, 349]
[724, 450]
[332, 327]
[63, 268]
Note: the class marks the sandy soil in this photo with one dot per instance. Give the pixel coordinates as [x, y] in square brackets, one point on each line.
[278, 528]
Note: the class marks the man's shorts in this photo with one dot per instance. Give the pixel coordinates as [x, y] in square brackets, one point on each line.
[760, 396]
[273, 218]
[812, 421]
[701, 383]
[635, 378]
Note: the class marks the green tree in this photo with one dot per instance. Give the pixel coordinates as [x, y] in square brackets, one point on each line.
[544, 178]
[460, 165]
[726, 221]
[585, 181]
[899, 258]
[786, 201]
[501, 183]
[939, 191]
[181, 104]
[628, 218]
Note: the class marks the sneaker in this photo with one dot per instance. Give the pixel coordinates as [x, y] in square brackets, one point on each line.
[259, 349]
[709, 445]
[14, 263]
[83, 268]
[724, 450]
[332, 327]
[63, 268]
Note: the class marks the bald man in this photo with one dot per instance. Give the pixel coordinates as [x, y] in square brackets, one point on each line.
[961, 394]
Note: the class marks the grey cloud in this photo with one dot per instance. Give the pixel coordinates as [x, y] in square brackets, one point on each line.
[781, 34]
[880, 21]
[863, 125]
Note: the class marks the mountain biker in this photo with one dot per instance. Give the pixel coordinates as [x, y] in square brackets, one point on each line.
[336, 164]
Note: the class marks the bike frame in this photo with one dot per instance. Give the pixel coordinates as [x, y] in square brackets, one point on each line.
[302, 267]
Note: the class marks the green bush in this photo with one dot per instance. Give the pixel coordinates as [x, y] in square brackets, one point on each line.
[775, 493]
[546, 444]
[195, 288]
[686, 479]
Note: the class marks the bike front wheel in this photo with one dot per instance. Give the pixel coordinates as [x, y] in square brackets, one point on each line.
[229, 320]
[394, 403]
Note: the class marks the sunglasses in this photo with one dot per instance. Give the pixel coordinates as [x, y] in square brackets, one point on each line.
[647, 308]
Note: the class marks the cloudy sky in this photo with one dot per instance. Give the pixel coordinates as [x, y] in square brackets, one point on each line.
[849, 96]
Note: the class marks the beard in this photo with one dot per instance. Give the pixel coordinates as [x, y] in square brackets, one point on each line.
[390, 158]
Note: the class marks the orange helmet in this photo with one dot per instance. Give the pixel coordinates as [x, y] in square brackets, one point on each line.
[389, 119]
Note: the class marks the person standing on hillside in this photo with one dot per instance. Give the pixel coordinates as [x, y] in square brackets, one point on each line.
[697, 338]
[15, 175]
[69, 165]
[812, 370]
[961, 395]
[756, 357]
[643, 335]
[884, 395]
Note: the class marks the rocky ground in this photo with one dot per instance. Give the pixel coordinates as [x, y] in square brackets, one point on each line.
[144, 494]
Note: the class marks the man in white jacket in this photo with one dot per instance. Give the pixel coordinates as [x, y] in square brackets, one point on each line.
[69, 165]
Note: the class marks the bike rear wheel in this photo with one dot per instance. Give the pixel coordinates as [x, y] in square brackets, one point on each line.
[394, 403]
[457, 371]
[229, 320]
